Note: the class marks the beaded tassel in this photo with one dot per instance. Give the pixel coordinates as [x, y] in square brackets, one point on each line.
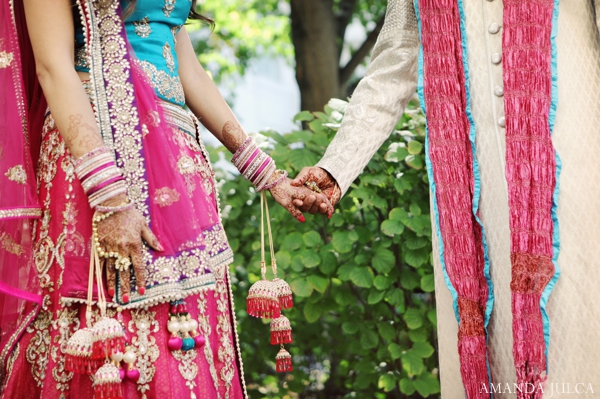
[281, 331]
[183, 329]
[284, 293]
[263, 301]
[107, 383]
[109, 338]
[78, 353]
[283, 361]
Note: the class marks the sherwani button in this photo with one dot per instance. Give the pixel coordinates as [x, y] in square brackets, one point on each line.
[502, 121]
[499, 91]
[494, 28]
[496, 58]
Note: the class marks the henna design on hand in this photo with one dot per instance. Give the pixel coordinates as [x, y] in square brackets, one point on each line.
[233, 136]
[89, 137]
[284, 193]
[324, 181]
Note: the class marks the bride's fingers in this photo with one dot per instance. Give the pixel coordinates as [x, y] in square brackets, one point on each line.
[151, 239]
[124, 274]
[139, 268]
[111, 276]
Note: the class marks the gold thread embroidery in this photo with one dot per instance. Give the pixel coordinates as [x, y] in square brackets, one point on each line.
[175, 31]
[9, 244]
[37, 350]
[226, 352]
[187, 367]
[64, 319]
[166, 196]
[10, 363]
[168, 86]
[206, 330]
[5, 59]
[15, 213]
[143, 28]
[17, 174]
[168, 56]
[186, 165]
[143, 323]
[169, 7]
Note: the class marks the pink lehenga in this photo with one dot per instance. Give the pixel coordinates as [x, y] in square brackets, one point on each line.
[45, 230]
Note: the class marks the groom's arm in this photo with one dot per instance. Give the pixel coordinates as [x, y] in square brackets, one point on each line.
[380, 98]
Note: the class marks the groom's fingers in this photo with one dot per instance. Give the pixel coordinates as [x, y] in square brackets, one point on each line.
[302, 177]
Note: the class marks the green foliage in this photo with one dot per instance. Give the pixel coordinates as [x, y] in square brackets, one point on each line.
[364, 317]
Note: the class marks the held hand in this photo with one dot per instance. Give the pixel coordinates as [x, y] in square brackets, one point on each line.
[284, 193]
[122, 233]
[325, 182]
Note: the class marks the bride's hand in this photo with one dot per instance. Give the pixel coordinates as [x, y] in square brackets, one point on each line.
[122, 233]
[284, 193]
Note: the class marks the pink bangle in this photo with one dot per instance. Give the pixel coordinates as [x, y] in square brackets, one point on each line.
[269, 186]
[241, 149]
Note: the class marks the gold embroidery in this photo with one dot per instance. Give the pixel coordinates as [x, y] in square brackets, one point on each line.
[37, 351]
[152, 118]
[25, 212]
[226, 351]
[165, 196]
[81, 58]
[187, 367]
[206, 331]
[5, 59]
[142, 28]
[143, 323]
[17, 174]
[64, 319]
[168, 86]
[9, 244]
[10, 363]
[169, 7]
[186, 165]
[168, 56]
[175, 31]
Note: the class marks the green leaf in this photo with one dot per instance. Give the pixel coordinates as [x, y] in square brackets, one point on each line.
[415, 209]
[387, 331]
[304, 116]
[384, 260]
[350, 327]
[414, 161]
[291, 242]
[414, 147]
[432, 317]
[414, 258]
[413, 318]
[284, 259]
[344, 298]
[427, 283]
[416, 243]
[412, 363]
[396, 297]
[427, 384]
[341, 242]
[410, 280]
[418, 335]
[381, 282]
[362, 277]
[312, 312]
[310, 258]
[406, 386]
[345, 271]
[319, 283]
[387, 382]
[301, 288]
[423, 349]
[328, 263]
[368, 339]
[300, 159]
[312, 239]
[399, 214]
[395, 350]
[392, 227]
[375, 297]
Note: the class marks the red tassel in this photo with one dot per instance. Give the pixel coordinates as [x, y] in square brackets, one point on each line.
[109, 338]
[262, 300]
[283, 361]
[107, 383]
[284, 293]
[105, 348]
[78, 353]
[281, 331]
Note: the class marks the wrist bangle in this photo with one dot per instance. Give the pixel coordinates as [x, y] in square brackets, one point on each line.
[269, 186]
[119, 208]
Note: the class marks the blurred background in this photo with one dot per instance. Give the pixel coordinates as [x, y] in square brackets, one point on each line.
[364, 314]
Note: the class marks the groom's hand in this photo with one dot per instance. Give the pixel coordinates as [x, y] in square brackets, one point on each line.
[315, 176]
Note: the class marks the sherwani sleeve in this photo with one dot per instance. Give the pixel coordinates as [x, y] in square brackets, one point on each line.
[379, 99]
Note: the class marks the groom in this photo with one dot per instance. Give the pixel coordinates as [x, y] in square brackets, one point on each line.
[506, 86]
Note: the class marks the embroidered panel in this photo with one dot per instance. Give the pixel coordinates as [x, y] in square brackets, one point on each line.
[188, 368]
[206, 331]
[17, 174]
[38, 349]
[168, 56]
[143, 323]
[168, 86]
[66, 321]
[8, 243]
[169, 7]
[142, 28]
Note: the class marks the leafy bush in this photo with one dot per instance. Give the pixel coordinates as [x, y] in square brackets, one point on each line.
[364, 315]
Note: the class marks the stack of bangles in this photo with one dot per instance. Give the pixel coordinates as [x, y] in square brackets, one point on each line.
[101, 179]
[256, 166]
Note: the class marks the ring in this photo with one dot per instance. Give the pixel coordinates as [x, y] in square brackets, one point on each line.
[313, 186]
[122, 263]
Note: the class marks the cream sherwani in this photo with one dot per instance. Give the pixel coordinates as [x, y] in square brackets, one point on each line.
[574, 305]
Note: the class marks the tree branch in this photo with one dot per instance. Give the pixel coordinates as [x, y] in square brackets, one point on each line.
[361, 53]
[342, 19]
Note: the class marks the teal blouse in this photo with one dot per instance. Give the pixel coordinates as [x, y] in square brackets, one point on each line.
[151, 30]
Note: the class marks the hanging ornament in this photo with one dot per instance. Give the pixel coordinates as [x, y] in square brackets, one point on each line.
[107, 383]
[129, 358]
[281, 331]
[196, 336]
[262, 300]
[109, 338]
[283, 361]
[78, 353]
[284, 292]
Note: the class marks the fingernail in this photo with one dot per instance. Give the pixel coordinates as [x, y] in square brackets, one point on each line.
[160, 247]
[301, 218]
[111, 292]
[126, 298]
[329, 215]
[142, 290]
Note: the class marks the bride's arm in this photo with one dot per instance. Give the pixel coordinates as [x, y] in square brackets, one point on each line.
[51, 31]
[205, 101]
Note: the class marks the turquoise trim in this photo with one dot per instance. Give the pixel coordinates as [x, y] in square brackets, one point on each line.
[555, 228]
[477, 187]
[420, 90]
